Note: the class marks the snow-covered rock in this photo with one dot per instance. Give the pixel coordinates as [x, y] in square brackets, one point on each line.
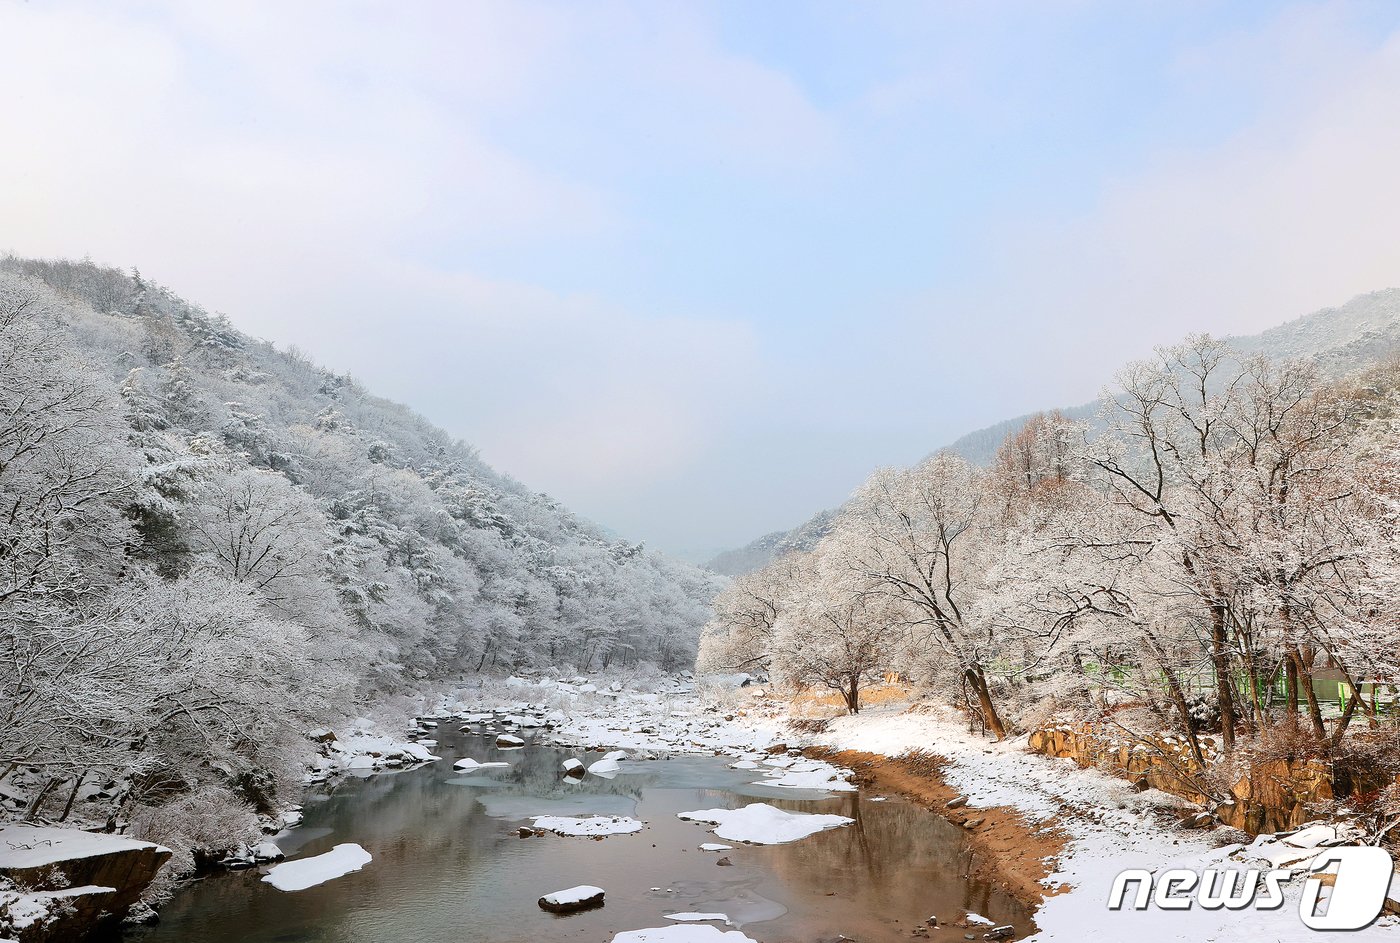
[266, 851]
[105, 875]
[572, 900]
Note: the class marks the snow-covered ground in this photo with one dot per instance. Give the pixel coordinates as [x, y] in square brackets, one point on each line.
[33, 846]
[1111, 828]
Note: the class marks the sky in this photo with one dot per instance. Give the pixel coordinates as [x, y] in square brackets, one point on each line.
[697, 268]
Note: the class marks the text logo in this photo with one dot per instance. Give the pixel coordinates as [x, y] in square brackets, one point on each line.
[1358, 878]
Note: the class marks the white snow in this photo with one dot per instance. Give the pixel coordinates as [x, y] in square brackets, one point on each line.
[572, 766]
[698, 917]
[762, 824]
[1110, 826]
[810, 774]
[714, 846]
[604, 767]
[364, 752]
[31, 846]
[467, 763]
[1312, 836]
[308, 872]
[683, 933]
[507, 741]
[25, 909]
[573, 895]
[266, 851]
[588, 827]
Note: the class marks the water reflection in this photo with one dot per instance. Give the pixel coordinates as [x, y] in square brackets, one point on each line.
[448, 864]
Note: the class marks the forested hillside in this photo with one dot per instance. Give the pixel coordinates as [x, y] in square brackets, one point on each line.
[756, 554]
[1339, 340]
[208, 545]
[1218, 563]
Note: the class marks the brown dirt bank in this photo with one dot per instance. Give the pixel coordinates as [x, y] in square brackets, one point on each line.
[1008, 850]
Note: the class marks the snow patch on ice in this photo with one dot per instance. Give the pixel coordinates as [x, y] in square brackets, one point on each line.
[683, 933]
[308, 872]
[759, 823]
[597, 825]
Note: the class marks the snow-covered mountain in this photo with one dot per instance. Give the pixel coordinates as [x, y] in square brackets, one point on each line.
[1363, 331]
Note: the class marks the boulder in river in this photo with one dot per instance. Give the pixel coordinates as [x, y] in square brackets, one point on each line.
[572, 900]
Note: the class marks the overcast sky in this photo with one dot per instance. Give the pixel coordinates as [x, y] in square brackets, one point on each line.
[697, 268]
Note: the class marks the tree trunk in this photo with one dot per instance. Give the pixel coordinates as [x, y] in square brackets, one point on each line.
[39, 799]
[1224, 691]
[1256, 696]
[1345, 720]
[68, 806]
[851, 694]
[1188, 723]
[984, 702]
[1304, 670]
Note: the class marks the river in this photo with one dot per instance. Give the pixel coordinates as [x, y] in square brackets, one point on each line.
[448, 864]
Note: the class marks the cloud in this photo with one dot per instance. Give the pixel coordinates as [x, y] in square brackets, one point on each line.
[323, 172]
[1291, 212]
[696, 271]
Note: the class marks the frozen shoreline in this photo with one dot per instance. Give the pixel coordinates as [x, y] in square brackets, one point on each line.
[1110, 826]
[1107, 824]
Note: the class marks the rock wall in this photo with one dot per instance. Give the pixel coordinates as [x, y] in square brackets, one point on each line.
[1272, 796]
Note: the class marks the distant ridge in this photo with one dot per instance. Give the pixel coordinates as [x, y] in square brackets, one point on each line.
[753, 556]
[1363, 331]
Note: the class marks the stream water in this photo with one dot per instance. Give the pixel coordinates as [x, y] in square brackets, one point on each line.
[449, 866]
